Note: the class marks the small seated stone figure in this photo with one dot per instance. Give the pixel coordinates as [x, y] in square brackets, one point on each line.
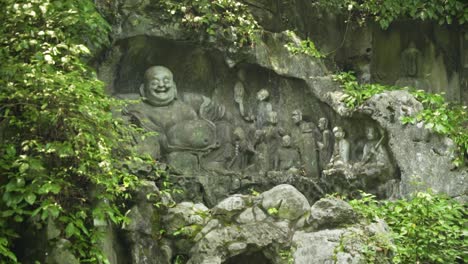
[412, 70]
[325, 144]
[288, 157]
[186, 124]
[263, 108]
[304, 135]
[375, 162]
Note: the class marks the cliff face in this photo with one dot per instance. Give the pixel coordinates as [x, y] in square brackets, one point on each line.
[424, 55]
[242, 120]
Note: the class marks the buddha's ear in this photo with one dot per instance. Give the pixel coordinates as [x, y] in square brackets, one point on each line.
[142, 91]
[175, 90]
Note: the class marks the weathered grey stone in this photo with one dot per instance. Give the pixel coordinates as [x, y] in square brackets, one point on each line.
[230, 206]
[250, 215]
[184, 215]
[331, 213]
[212, 224]
[318, 247]
[343, 246]
[237, 247]
[61, 254]
[52, 230]
[411, 151]
[258, 235]
[290, 203]
[140, 219]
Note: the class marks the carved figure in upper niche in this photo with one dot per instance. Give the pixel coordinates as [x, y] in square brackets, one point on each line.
[263, 108]
[412, 69]
[325, 144]
[304, 136]
[288, 157]
[185, 123]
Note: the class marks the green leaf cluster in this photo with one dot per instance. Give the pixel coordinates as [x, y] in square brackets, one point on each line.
[427, 228]
[385, 12]
[58, 137]
[358, 93]
[228, 20]
[306, 47]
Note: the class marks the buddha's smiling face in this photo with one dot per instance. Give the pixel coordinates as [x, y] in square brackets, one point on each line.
[159, 87]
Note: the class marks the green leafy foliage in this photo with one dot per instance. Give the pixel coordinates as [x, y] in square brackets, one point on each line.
[287, 255]
[386, 11]
[223, 19]
[428, 228]
[272, 211]
[58, 137]
[303, 47]
[358, 93]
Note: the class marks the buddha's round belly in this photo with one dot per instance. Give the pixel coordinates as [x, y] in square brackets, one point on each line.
[196, 134]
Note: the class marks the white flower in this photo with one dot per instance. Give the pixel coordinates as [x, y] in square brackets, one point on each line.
[48, 59]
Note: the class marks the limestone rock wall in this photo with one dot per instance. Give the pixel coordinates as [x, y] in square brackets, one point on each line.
[212, 70]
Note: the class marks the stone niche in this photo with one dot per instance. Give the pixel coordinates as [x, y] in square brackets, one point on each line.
[237, 128]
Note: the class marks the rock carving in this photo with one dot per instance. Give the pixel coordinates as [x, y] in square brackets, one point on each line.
[412, 69]
[304, 135]
[187, 124]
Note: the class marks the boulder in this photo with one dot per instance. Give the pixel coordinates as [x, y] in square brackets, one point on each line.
[289, 202]
[331, 213]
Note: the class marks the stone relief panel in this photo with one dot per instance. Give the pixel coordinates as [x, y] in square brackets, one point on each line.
[244, 128]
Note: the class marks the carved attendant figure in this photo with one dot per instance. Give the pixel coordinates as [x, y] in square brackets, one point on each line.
[239, 92]
[342, 148]
[263, 108]
[304, 138]
[272, 139]
[325, 145]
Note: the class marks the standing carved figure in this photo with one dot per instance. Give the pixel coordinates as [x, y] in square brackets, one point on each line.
[261, 162]
[239, 93]
[304, 136]
[242, 150]
[325, 145]
[342, 147]
[263, 108]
